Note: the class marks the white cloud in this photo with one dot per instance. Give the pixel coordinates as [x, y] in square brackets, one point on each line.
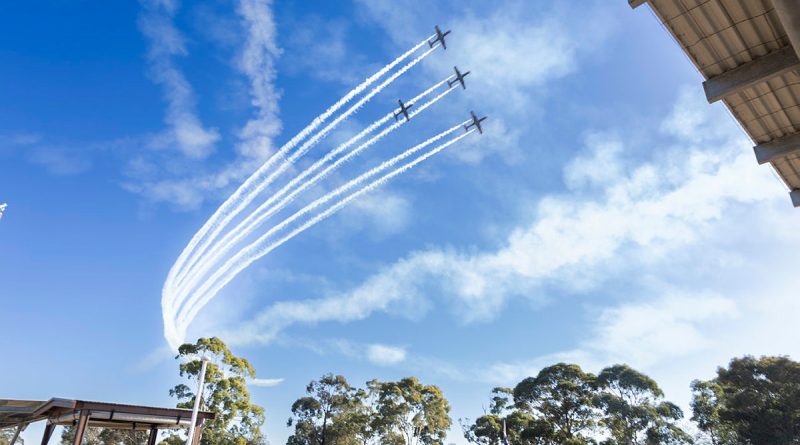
[383, 211]
[186, 133]
[599, 167]
[641, 215]
[319, 48]
[257, 62]
[187, 186]
[665, 328]
[265, 383]
[514, 52]
[384, 355]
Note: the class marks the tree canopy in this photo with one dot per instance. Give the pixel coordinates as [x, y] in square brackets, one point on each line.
[405, 412]
[105, 436]
[633, 410]
[238, 421]
[563, 404]
[754, 401]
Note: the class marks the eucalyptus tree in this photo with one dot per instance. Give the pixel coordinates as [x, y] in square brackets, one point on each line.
[706, 399]
[328, 414]
[409, 412]
[238, 421]
[634, 410]
[755, 401]
[562, 397]
[505, 421]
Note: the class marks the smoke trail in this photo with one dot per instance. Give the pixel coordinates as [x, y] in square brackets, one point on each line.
[245, 188]
[247, 226]
[254, 251]
[300, 152]
[320, 217]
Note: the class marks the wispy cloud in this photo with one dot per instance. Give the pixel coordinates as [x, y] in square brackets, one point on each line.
[515, 53]
[320, 48]
[576, 240]
[257, 63]
[385, 355]
[264, 383]
[186, 133]
[170, 181]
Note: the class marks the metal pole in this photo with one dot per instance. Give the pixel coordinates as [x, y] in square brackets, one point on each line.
[198, 396]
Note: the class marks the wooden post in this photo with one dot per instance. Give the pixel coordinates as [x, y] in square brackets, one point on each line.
[198, 431]
[80, 428]
[48, 431]
[16, 434]
[151, 439]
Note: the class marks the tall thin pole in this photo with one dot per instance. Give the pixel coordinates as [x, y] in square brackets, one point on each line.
[199, 395]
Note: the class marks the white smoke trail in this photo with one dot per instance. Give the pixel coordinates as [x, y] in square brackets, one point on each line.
[263, 212]
[261, 186]
[232, 206]
[198, 257]
[308, 208]
[256, 250]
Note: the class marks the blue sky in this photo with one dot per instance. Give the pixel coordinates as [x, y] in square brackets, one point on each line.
[607, 215]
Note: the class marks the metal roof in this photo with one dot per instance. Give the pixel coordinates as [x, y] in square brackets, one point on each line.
[748, 53]
[101, 414]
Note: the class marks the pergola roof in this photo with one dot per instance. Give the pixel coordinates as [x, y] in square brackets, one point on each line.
[101, 414]
[748, 53]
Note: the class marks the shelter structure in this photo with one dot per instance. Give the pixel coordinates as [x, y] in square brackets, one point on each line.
[749, 54]
[18, 414]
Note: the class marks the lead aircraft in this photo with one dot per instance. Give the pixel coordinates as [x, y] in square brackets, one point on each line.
[439, 38]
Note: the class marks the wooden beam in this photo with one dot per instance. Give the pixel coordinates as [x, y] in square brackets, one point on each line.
[636, 3]
[751, 73]
[795, 195]
[151, 439]
[777, 148]
[16, 434]
[80, 428]
[48, 431]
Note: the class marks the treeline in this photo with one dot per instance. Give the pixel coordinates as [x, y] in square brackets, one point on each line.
[752, 401]
[563, 404]
[405, 412]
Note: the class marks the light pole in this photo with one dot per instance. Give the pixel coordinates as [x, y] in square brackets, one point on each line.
[198, 395]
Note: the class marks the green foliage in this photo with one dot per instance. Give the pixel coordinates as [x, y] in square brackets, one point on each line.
[238, 421]
[633, 411]
[328, 413]
[562, 396]
[706, 397]
[754, 401]
[388, 413]
[105, 436]
[565, 405]
[7, 434]
[409, 409]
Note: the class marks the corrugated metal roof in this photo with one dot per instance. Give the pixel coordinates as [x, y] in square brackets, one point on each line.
[110, 415]
[724, 36]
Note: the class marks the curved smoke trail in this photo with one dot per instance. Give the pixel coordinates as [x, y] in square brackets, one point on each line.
[234, 200]
[262, 213]
[256, 249]
[261, 186]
